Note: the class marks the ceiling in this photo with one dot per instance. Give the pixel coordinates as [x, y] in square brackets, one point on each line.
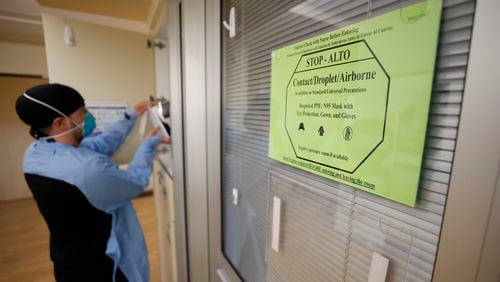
[137, 10]
[20, 20]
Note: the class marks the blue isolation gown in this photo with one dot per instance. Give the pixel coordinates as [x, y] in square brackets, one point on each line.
[106, 187]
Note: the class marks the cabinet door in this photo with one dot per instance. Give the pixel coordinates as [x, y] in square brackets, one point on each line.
[162, 218]
[171, 225]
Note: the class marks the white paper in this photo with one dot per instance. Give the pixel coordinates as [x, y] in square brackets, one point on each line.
[106, 115]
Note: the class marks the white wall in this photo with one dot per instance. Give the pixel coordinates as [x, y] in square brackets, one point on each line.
[105, 65]
[22, 59]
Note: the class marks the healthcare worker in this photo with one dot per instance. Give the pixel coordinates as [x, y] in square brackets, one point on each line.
[83, 196]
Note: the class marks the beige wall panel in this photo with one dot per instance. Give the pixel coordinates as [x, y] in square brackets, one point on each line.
[15, 137]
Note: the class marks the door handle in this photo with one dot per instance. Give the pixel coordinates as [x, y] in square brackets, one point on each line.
[275, 243]
[231, 26]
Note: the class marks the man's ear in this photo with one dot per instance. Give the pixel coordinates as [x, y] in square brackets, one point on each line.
[59, 123]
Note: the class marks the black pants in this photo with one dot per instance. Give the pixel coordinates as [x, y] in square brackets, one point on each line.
[99, 271]
[78, 231]
[120, 277]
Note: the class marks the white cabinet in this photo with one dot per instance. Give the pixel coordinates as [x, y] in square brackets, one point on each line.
[165, 216]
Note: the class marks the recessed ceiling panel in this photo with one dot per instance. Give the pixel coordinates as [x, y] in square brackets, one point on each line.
[21, 32]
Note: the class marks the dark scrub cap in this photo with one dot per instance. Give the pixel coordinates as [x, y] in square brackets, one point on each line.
[62, 97]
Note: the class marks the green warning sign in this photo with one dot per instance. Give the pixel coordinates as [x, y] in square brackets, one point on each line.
[352, 105]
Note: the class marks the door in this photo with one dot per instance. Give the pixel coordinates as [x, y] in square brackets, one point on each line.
[328, 230]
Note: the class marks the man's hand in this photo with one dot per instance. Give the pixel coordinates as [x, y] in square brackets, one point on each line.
[141, 107]
[163, 140]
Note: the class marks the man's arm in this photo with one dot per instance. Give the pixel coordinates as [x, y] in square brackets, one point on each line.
[112, 138]
[107, 187]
